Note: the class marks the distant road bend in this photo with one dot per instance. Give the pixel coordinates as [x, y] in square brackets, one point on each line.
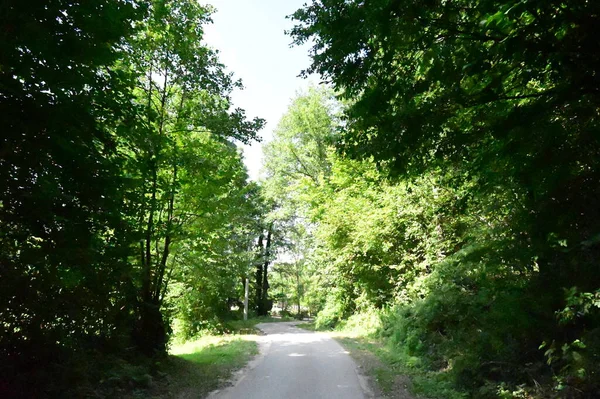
[298, 364]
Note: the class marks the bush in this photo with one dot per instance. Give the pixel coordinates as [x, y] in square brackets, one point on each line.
[476, 324]
[365, 323]
[331, 315]
[301, 316]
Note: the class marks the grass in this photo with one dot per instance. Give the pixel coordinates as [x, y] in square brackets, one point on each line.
[224, 350]
[192, 369]
[249, 326]
[392, 369]
[395, 364]
[197, 367]
[203, 365]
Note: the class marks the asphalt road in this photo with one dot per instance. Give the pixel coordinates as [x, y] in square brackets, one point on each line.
[296, 364]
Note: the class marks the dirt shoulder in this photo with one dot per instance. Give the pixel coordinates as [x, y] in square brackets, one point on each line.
[384, 380]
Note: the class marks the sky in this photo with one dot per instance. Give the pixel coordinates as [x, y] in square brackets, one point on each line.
[249, 35]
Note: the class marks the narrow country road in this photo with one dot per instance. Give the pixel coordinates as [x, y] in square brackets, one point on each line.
[296, 363]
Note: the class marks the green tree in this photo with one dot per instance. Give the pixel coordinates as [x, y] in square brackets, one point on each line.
[503, 89]
[264, 249]
[209, 264]
[120, 176]
[64, 236]
[496, 101]
[298, 164]
[184, 94]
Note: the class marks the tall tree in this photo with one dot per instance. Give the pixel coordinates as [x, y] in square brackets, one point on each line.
[498, 101]
[298, 163]
[184, 92]
[261, 280]
[215, 252]
[63, 230]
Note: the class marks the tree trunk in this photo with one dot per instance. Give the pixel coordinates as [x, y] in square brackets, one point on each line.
[151, 333]
[166, 248]
[147, 279]
[298, 291]
[258, 275]
[266, 304]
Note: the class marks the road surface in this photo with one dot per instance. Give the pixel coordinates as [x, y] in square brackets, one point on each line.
[297, 364]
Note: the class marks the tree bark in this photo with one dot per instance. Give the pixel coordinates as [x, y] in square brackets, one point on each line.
[265, 304]
[258, 275]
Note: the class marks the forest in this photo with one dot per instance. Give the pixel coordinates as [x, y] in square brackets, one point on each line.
[439, 189]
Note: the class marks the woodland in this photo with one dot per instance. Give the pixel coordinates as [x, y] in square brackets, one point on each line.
[439, 189]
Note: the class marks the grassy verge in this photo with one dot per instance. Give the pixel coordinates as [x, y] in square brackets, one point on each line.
[192, 369]
[394, 373]
[195, 368]
[249, 326]
[203, 365]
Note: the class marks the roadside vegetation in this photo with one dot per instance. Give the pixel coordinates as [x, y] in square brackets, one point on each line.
[438, 196]
[445, 187]
[392, 371]
[205, 364]
[446, 268]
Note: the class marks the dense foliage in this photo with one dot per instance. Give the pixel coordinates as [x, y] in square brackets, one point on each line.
[63, 235]
[459, 191]
[443, 191]
[124, 199]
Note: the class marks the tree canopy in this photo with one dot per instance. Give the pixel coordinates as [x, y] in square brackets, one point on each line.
[459, 198]
[123, 188]
[439, 189]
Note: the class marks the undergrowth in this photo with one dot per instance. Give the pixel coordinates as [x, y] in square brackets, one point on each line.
[446, 360]
[365, 331]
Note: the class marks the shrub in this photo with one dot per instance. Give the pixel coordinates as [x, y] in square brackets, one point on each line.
[365, 323]
[331, 315]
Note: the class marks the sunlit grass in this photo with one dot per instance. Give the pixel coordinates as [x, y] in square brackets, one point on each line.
[225, 350]
[358, 335]
[244, 326]
[202, 365]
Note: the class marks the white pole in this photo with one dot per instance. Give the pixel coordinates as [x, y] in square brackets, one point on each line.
[246, 301]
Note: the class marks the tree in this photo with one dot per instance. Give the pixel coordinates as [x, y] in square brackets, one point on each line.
[215, 255]
[298, 164]
[184, 94]
[421, 72]
[496, 102]
[63, 229]
[118, 165]
[293, 272]
[493, 87]
[261, 282]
